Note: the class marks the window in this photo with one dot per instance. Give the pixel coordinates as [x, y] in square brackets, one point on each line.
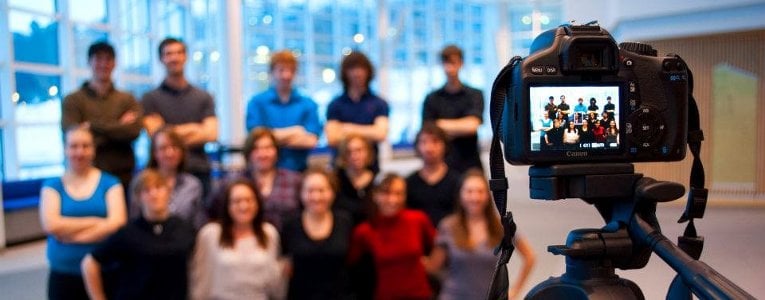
[529, 20]
[48, 60]
[33, 31]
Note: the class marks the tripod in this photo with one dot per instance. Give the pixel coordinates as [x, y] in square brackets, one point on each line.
[627, 202]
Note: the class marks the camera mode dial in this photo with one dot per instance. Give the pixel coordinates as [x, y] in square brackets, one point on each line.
[639, 48]
[645, 127]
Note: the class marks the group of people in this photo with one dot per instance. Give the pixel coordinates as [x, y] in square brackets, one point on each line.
[280, 229]
[561, 129]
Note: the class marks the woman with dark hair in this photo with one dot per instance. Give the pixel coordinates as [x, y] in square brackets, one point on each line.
[236, 256]
[612, 134]
[599, 132]
[148, 258]
[77, 211]
[585, 133]
[570, 136]
[316, 243]
[355, 178]
[358, 111]
[279, 187]
[167, 156]
[397, 240]
[466, 242]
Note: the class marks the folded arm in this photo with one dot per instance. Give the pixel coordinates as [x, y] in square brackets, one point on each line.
[460, 127]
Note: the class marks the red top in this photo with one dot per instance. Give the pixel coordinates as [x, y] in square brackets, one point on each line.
[397, 245]
[600, 133]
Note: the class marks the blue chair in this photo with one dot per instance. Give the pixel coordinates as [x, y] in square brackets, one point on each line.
[21, 200]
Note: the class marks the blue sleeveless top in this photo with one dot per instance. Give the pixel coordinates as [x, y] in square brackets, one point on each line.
[66, 257]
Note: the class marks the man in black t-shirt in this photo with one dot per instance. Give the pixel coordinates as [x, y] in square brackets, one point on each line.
[551, 108]
[609, 107]
[563, 107]
[432, 189]
[458, 110]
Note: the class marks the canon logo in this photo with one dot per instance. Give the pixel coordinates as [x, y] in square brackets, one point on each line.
[576, 153]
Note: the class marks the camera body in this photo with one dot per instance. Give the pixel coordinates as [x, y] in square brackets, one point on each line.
[556, 110]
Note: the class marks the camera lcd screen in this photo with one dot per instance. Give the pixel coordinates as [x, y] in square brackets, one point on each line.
[581, 118]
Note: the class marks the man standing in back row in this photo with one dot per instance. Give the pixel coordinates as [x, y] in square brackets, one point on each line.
[458, 110]
[113, 116]
[189, 110]
[291, 116]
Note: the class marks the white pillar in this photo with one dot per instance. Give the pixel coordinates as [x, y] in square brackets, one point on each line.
[231, 101]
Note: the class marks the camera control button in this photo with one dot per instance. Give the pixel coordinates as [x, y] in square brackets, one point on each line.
[551, 70]
[628, 62]
[667, 65]
[632, 86]
[537, 70]
[645, 128]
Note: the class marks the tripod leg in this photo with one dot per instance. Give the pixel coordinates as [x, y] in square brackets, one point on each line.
[678, 290]
[702, 279]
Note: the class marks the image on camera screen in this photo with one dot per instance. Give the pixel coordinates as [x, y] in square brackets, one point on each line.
[584, 118]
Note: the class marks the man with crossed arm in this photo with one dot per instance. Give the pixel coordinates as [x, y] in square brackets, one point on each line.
[188, 109]
[291, 116]
[112, 115]
[458, 110]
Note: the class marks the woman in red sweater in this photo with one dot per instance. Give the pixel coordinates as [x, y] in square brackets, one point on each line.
[397, 239]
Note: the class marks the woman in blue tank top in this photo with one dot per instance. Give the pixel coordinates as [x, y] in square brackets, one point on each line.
[78, 210]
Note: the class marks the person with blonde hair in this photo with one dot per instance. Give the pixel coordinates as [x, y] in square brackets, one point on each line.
[77, 211]
[466, 242]
[292, 116]
[355, 176]
[148, 258]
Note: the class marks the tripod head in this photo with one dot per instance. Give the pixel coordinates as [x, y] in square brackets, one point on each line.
[627, 202]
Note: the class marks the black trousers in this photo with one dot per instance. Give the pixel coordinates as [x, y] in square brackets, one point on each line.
[62, 286]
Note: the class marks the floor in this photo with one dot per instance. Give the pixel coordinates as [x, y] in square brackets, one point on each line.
[733, 234]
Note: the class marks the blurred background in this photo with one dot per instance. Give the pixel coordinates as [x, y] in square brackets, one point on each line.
[43, 47]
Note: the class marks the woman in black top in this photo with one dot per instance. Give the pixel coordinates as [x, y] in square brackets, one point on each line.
[355, 176]
[150, 254]
[317, 242]
[585, 133]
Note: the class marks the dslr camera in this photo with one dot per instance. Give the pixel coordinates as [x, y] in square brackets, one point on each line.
[578, 97]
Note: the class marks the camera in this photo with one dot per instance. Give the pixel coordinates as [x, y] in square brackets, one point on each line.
[578, 97]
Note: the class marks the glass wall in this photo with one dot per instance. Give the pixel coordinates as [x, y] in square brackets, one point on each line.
[46, 58]
[402, 38]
